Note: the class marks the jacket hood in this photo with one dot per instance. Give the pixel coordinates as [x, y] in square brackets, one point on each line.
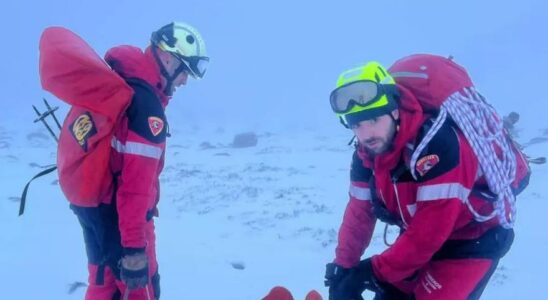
[132, 62]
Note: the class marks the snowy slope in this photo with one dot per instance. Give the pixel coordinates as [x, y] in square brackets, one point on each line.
[233, 222]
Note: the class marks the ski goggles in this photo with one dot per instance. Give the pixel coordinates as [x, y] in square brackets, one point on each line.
[365, 93]
[196, 66]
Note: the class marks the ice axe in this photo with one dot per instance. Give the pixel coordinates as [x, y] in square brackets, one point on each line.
[41, 118]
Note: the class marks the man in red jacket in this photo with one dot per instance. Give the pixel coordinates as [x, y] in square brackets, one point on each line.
[119, 234]
[441, 252]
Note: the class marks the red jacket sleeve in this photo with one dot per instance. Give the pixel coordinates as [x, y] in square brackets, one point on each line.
[440, 205]
[359, 221]
[142, 153]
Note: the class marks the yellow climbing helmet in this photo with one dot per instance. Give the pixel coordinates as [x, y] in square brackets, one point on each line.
[364, 93]
[185, 43]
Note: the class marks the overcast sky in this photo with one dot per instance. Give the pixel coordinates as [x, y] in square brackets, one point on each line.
[273, 63]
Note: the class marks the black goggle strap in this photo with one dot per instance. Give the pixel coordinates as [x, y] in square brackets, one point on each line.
[169, 78]
[391, 90]
[182, 68]
[192, 64]
[343, 122]
[164, 34]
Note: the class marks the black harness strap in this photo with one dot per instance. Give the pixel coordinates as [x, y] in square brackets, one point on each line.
[25, 190]
[493, 244]
[379, 209]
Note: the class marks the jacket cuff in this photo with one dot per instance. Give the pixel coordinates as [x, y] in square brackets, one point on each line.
[132, 251]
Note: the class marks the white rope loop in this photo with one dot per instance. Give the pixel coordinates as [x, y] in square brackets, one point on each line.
[442, 116]
[483, 129]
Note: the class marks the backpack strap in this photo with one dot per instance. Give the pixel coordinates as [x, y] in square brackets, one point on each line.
[493, 244]
[25, 190]
[428, 132]
[379, 209]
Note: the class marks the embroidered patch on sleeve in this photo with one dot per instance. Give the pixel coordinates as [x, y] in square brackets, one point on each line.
[82, 129]
[426, 163]
[156, 125]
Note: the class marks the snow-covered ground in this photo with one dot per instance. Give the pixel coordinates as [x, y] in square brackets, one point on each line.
[233, 222]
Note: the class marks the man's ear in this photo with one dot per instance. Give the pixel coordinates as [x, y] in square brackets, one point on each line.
[395, 114]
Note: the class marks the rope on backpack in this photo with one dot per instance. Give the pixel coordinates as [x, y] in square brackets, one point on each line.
[483, 129]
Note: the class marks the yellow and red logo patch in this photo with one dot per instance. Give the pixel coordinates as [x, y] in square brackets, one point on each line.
[426, 163]
[82, 128]
[156, 125]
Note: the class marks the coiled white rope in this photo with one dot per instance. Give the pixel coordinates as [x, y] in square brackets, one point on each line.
[483, 129]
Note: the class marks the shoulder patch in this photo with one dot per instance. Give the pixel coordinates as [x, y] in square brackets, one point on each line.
[146, 114]
[156, 125]
[426, 163]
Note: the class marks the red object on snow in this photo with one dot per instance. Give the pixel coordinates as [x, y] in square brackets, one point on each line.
[313, 295]
[281, 293]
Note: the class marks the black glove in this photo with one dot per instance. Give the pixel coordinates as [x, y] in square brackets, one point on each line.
[134, 269]
[349, 284]
[334, 274]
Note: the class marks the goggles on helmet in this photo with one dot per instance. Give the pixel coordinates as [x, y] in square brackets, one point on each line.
[367, 94]
[196, 66]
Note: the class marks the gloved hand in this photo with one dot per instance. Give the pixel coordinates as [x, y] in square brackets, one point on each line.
[334, 274]
[349, 284]
[134, 269]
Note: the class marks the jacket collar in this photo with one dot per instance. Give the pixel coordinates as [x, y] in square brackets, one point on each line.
[132, 62]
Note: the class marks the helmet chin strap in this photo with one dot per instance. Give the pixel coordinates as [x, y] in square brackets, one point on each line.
[396, 121]
[169, 78]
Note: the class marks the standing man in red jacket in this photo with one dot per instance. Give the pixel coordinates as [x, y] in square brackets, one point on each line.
[441, 252]
[119, 234]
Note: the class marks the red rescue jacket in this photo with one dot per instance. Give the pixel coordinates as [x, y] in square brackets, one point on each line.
[138, 144]
[431, 208]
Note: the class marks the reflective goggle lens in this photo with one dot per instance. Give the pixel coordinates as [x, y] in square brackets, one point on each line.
[201, 66]
[361, 93]
[196, 65]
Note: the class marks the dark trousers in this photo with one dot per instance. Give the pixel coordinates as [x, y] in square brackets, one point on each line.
[104, 251]
[460, 270]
